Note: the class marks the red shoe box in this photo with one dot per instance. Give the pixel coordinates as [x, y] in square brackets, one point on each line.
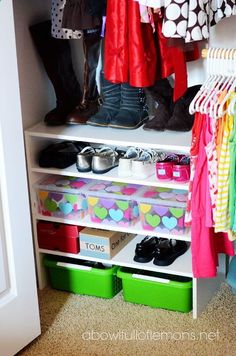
[55, 236]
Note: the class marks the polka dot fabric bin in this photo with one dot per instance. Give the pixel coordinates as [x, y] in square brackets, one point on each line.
[62, 197]
[162, 209]
[113, 203]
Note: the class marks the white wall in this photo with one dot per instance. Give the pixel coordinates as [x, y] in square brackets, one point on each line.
[35, 88]
[37, 93]
[222, 35]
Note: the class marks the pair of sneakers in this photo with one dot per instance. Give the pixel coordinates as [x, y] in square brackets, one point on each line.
[98, 160]
[139, 163]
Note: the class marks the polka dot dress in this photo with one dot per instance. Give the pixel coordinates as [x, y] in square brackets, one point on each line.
[191, 19]
[198, 20]
[220, 9]
[57, 7]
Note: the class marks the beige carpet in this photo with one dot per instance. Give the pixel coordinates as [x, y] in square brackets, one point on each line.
[68, 322]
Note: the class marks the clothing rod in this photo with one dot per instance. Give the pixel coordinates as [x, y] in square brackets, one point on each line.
[226, 54]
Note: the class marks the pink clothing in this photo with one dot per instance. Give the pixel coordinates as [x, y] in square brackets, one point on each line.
[208, 137]
[193, 162]
[212, 162]
[205, 243]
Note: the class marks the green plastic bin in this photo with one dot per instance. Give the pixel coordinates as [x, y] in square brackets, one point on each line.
[156, 290]
[80, 278]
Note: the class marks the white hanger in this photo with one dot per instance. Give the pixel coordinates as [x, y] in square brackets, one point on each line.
[221, 69]
[192, 106]
[231, 84]
[228, 80]
[209, 80]
[214, 85]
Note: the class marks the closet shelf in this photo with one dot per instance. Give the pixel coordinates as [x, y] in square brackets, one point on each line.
[182, 266]
[112, 175]
[136, 229]
[170, 141]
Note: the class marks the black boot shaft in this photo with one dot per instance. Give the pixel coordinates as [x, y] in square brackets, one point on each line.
[162, 99]
[91, 46]
[57, 61]
[181, 119]
[110, 94]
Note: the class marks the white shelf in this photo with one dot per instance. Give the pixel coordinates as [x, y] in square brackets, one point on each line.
[112, 175]
[182, 266]
[171, 140]
[136, 229]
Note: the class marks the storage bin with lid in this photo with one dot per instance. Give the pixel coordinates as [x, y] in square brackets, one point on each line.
[82, 277]
[156, 290]
[62, 197]
[162, 209]
[56, 236]
[113, 203]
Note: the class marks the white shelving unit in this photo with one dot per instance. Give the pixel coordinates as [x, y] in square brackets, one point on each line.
[135, 229]
[39, 136]
[172, 141]
[181, 266]
[112, 176]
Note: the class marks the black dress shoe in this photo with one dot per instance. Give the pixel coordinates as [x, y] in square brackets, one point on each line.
[60, 155]
[168, 250]
[144, 251]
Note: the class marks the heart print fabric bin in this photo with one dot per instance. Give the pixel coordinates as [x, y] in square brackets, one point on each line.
[162, 209]
[113, 203]
[62, 197]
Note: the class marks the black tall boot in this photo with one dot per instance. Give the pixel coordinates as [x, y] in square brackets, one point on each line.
[90, 101]
[162, 95]
[56, 57]
[181, 119]
[111, 98]
[133, 109]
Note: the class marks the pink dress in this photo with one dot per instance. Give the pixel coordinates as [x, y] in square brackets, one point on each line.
[212, 163]
[196, 130]
[205, 243]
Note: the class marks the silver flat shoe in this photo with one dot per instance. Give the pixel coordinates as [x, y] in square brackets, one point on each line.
[84, 159]
[104, 160]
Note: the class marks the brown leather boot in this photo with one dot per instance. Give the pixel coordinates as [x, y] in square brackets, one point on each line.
[89, 104]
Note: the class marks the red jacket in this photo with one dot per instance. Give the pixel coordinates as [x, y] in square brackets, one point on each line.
[134, 54]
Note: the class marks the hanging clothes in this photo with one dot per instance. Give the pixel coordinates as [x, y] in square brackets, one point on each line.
[232, 179]
[57, 8]
[97, 8]
[222, 220]
[212, 166]
[146, 16]
[205, 243]
[220, 9]
[134, 54]
[130, 54]
[187, 19]
[191, 19]
[196, 130]
[76, 16]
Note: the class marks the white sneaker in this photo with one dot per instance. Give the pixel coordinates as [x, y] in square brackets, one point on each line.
[125, 162]
[145, 165]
